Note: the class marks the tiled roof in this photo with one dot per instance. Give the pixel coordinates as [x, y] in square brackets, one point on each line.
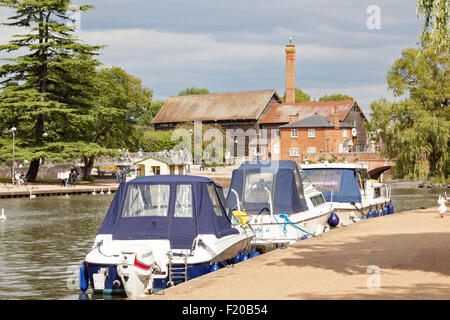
[314, 121]
[280, 113]
[243, 105]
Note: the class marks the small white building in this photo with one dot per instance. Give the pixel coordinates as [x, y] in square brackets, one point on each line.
[157, 166]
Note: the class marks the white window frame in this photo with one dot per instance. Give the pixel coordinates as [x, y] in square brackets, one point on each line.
[294, 133]
[294, 152]
[344, 133]
[311, 133]
[312, 150]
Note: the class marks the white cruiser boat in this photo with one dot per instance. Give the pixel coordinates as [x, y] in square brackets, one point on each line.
[160, 231]
[280, 208]
[354, 191]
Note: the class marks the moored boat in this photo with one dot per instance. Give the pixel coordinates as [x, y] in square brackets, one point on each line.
[354, 191]
[160, 231]
[280, 208]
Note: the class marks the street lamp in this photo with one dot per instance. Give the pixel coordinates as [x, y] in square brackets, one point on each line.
[13, 130]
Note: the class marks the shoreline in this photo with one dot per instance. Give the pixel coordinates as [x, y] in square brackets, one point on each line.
[385, 258]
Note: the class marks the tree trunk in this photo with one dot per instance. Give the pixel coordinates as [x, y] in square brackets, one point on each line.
[33, 170]
[88, 165]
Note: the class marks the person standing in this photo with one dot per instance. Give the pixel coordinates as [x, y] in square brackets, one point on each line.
[61, 178]
[66, 177]
[118, 174]
[73, 176]
[124, 174]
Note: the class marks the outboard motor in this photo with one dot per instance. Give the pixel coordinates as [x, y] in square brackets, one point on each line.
[135, 270]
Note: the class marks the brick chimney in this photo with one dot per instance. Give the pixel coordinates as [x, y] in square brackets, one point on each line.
[334, 119]
[290, 73]
[293, 117]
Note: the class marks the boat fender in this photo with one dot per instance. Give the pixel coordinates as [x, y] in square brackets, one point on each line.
[333, 220]
[384, 211]
[83, 277]
[304, 237]
[237, 259]
[214, 267]
[390, 209]
[253, 253]
[244, 257]
[376, 213]
[370, 213]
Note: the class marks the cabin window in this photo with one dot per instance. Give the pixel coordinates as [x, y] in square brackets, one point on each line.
[326, 180]
[183, 202]
[146, 200]
[311, 133]
[255, 187]
[214, 200]
[376, 193]
[317, 200]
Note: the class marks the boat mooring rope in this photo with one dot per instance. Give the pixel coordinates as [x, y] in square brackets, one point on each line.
[287, 221]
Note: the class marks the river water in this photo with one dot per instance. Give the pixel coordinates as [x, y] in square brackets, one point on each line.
[44, 240]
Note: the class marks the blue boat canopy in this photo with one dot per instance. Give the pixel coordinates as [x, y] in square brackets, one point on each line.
[174, 207]
[281, 178]
[337, 185]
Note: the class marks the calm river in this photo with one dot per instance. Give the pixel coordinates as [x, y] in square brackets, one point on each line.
[44, 240]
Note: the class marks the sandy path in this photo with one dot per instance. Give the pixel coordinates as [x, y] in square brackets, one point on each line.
[411, 250]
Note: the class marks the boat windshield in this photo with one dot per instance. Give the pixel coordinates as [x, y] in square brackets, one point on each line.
[305, 179]
[255, 187]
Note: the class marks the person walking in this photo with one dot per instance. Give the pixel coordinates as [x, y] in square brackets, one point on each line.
[124, 175]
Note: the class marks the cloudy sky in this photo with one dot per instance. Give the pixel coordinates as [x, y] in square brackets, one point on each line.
[230, 45]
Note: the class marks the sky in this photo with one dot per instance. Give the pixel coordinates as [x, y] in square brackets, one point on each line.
[344, 46]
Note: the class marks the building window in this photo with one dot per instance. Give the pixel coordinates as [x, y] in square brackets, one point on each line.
[276, 149]
[277, 133]
[311, 133]
[295, 152]
[294, 133]
[312, 150]
[344, 133]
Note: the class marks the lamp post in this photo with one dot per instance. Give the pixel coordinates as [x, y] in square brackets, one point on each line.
[13, 130]
[327, 142]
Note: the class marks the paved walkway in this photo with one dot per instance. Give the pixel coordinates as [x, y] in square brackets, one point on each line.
[400, 256]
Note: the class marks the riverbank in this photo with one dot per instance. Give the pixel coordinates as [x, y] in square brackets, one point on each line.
[400, 256]
[8, 190]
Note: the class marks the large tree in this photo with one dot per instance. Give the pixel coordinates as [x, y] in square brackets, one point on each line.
[48, 86]
[415, 129]
[119, 101]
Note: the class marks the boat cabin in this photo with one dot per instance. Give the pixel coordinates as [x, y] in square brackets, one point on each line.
[173, 207]
[252, 180]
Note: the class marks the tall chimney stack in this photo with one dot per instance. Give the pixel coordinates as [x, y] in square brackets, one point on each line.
[290, 72]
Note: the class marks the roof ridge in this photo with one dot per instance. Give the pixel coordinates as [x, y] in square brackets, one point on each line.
[224, 93]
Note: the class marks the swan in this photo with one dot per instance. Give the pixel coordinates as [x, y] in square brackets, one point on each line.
[109, 191]
[101, 192]
[3, 217]
[32, 196]
[93, 192]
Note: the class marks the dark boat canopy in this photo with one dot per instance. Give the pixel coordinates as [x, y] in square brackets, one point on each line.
[336, 184]
[281, 178]
[174, 207]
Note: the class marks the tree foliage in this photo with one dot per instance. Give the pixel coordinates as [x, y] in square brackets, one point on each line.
[155, 141]
[192, 91]
[436, 30]
[415, 130]
[300, 96]
[47, 89]
[335, 97]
